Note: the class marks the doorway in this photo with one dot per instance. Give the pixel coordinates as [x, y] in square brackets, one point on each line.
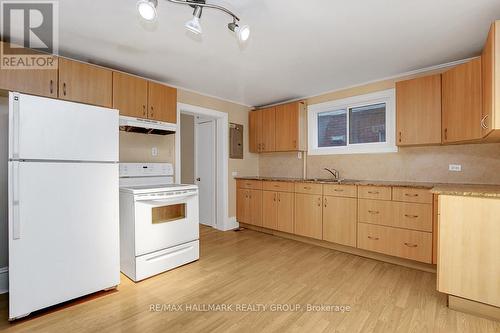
[202, 150]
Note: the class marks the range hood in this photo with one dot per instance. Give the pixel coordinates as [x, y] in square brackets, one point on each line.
[146, 126]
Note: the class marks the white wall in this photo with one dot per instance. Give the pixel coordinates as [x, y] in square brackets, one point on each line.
[4, 153]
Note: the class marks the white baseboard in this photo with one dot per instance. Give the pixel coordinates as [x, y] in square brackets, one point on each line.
[4, 280]
[230, 224]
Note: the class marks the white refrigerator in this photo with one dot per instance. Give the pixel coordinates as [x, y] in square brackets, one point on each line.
[63, 202]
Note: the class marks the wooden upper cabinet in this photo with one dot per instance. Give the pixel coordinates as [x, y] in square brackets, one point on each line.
[279, 128]
[268, 130]
[254, 131]
[162, 103]
[80, 82]
[130, 95]
[41, 82]
[462, 102]
[490, 120]
[290, 126]
[418, 111]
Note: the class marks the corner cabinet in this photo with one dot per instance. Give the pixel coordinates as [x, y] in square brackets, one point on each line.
[418, 111]
[462, 103]
[278, 128]
[84, 83]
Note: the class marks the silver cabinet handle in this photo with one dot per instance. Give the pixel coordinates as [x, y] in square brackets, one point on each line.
[374, 212]
[411, 245]
[483, 124]
[411, 216]
[373, 238]
[373, 192]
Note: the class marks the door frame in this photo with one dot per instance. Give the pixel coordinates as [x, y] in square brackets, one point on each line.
[222, 221]
[213, 124]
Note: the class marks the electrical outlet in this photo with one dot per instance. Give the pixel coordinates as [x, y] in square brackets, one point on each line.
[299, 155]
[154, 151]
[455, 167]
[234, 173]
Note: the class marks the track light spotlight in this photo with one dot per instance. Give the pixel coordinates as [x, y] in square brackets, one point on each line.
[147, 9]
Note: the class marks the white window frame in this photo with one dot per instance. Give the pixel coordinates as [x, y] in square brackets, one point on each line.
[386, 96]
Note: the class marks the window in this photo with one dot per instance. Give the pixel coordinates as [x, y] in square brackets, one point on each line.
[355, 125]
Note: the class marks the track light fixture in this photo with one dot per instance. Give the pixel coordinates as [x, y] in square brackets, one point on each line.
[147, 9]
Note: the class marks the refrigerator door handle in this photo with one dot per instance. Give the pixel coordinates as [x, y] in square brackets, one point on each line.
[16, 219]
[14, 131]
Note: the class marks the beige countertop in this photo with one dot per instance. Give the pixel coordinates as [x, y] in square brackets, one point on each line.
[475, 190]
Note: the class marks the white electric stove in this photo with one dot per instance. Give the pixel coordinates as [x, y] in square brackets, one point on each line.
[159, 220]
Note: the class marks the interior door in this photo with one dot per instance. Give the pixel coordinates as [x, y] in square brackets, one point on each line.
[206, 170]
[63, 232]
[49, 129]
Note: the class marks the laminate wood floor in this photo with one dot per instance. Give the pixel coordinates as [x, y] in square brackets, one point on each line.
[248, 268]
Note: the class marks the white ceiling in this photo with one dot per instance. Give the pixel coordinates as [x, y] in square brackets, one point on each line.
[297, 48]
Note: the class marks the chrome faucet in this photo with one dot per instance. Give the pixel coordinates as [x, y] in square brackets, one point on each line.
[335, 173]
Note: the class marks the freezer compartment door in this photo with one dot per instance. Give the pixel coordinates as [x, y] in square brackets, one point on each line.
[63, 232]
[49, 129]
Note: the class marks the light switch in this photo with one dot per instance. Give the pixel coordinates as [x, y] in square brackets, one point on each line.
[455, 167]
[154, 151]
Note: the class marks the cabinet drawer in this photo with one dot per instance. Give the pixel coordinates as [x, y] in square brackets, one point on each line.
[374, 192]
[309, 188]
[409, 244]
[349, 191]
[417, 195]
[278, 186]
[249, 184]
[412, 216]
[375, 211]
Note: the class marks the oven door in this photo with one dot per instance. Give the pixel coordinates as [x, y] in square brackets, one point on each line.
[166, 222]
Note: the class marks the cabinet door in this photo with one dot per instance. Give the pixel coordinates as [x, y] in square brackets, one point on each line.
[268, 130]
[285, 211]
[287, 127]
[130, 95]
[255, 207]
[85, 83]
[162, 103]
[308, 215]
[270, 210]
[488, 80]
[339, 220]
[242, 205]
[418, 111]
[255, 131]
[462, 102]
[41, 82]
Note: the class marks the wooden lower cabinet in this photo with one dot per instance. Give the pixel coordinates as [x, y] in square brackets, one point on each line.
[277, 211]
[270, 210]
[409, 244]
[249, 206]
[469, 250]
[339, 220]
[285, 212]
[308, 215]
